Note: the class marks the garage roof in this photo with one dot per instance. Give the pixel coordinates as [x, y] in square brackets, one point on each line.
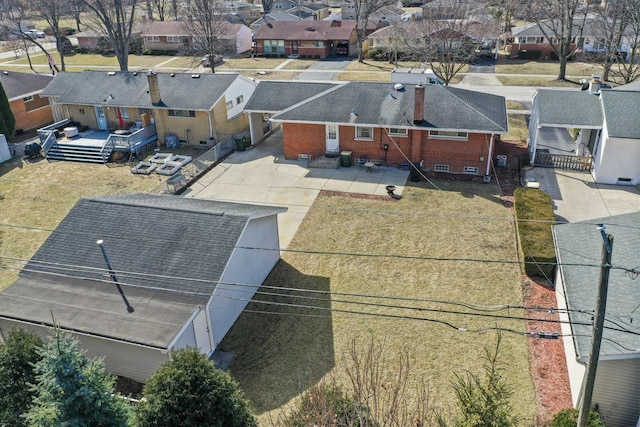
[274, 96]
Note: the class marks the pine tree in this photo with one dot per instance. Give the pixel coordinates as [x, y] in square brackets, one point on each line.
[189, 391]
[7, 121]
[74, 390]
[17, 357]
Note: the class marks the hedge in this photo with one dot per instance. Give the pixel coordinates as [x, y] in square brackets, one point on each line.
[536, 239]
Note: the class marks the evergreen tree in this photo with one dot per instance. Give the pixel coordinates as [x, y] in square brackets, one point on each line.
[72, 390]
[17, 357]
[7, 121]
[189, 391]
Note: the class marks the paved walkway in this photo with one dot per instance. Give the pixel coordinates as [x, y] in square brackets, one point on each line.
[262, 176]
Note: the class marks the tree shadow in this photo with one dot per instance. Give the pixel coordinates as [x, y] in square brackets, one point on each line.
[281, 350]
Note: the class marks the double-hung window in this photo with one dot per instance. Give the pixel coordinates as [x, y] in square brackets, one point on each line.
[398, 132]
[447, 134]
[364, 132]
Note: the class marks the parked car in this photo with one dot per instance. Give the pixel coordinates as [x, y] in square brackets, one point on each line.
[484, 51]
[342, 48]
[35, 34]
[206, 60]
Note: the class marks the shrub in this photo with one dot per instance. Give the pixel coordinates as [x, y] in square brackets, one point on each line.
[376, 54]
[569, 418]
[536, 239]
[529, 54]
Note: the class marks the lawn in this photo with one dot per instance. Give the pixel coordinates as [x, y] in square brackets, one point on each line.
[252, 63]
[534, 81]
[299, 64]
[518, 130]
[277, 357]
[270, 75]
[363, 76]
[40, 194]
[95, 60]
[523, 66]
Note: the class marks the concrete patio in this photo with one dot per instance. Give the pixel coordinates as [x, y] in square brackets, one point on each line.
[262, 176]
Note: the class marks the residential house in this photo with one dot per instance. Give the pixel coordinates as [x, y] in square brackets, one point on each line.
[609, 130]
[272, 97]
[173, 36]
[310, 11]
[197, 109]
[242, 10]
[617, 384]
[404, 36]
[151, 274]
[444, 129]
[385, 15]
[273, 17]
[23, 91]
[92, 40]
[308, 39]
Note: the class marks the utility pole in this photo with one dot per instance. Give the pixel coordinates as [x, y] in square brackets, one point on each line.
[598, 326]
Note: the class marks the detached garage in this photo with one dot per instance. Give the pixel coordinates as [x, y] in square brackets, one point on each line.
[170, 272]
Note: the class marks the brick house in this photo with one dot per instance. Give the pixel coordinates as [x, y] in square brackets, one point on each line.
[23, 91]
[446, 129]
[172, 36]
[309, 39]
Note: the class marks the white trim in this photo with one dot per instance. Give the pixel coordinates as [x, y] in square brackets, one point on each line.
[16, 98]
[184, 327]
[39, 108]
[457, 138]
[362, 138]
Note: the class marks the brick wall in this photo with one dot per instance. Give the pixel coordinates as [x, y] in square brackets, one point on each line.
[310, 139]
[31, 115]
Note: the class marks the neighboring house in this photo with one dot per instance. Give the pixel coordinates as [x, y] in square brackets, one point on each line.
[243, 10]
[23, 91]
[445, 129]
[403, 36]
[609, 129]
[94, 40]
[617, 386]
[385, 15]
[180, 275]
[308, 39]
[310, 11]
[273, 17]
[197, 108]
[173, 36]
[272, 97]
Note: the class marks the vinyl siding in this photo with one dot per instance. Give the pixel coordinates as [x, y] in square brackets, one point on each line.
[186, 339]
[617, 391]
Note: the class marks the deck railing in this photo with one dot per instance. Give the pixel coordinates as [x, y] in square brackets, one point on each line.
[127, 141]
[43, 133]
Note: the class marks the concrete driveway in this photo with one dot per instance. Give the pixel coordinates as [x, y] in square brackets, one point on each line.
[325, 69]
[262, 176]
[577, 197]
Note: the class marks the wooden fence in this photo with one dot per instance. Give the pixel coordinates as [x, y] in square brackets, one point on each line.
[563, 161]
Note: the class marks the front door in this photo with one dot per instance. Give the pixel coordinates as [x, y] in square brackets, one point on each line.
[332, 138]
[294, 47]
[101, 118]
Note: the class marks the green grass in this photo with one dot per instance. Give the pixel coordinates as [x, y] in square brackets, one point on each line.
[278, 357]
[40, 194]
[536, 239]
[534, 81]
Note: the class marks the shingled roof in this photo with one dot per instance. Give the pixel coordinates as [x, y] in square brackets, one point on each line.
[131, 89]
[379, 104]
[275, 96]
[305, 30]
[20, 85]
[150, 240]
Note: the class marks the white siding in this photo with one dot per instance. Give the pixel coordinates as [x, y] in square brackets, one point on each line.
[617, 391]
[127, 360]
[617, 158]
[248, 266]
[240, 87]
[186, 339]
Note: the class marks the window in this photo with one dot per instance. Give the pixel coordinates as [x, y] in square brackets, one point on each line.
[229, 105]
[471, 170]
[144, 110]
[319, 43]
[277, 6]
[364, 132]
[182, 113]
[240, 99]
[28, 99]
[600, 44]
[442, 168]
[273, 46]
[152, 39]
[447, 134]
[398, 132]
[173, 39]
[124, 113]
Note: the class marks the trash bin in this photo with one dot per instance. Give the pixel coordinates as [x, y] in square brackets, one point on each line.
[501, 161]
[414, 173]
[345, 159]
[239, 144]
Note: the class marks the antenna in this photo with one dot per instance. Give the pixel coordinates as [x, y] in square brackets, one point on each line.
[113, 276]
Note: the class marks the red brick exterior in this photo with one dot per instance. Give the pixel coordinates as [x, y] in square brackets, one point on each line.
[306, 49]
[310, 139]
[32, 114]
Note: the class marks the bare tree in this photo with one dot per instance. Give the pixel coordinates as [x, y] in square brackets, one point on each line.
[561, 23]
[115, 20]
[266, 6]
[159, 8]
[364, 9]
[51, 11]
[207, 24]
[76, 7]
[629, 70]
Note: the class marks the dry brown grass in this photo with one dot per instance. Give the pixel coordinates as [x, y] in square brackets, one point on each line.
[40, 194]
[279, 356]
[534, 81]
[361, 76]
[271, 75]
[518, 129]
[252, 63]
[522, 66]
[514, 105]
[299, 64]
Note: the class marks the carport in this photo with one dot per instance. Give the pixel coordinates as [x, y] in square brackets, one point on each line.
[272, 97]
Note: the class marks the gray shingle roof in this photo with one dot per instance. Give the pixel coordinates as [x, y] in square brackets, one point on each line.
[130, 89]
[621, 112]
[564, 107]
[533, 30]
[274, 96]
[580, 243]
[144, 234]
[378, 104]
[18, 85]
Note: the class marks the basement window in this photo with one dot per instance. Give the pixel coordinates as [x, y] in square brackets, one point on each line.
[441, 168]
[182, 113]
[472, 170]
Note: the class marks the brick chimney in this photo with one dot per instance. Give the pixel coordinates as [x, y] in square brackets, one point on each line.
[418, 104]
[154, 88]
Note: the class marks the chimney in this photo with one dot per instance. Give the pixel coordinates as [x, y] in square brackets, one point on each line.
[154, 88]
[418, 104]
[594, 85]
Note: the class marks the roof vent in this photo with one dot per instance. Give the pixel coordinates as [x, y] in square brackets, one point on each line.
[135, 73]
[111, 73]
[399, 87]
[310, 29]
[6, 73]
[172, 74]
[195, 76]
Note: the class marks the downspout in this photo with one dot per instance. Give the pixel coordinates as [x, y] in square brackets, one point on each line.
[490, 155]
[210, 123]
